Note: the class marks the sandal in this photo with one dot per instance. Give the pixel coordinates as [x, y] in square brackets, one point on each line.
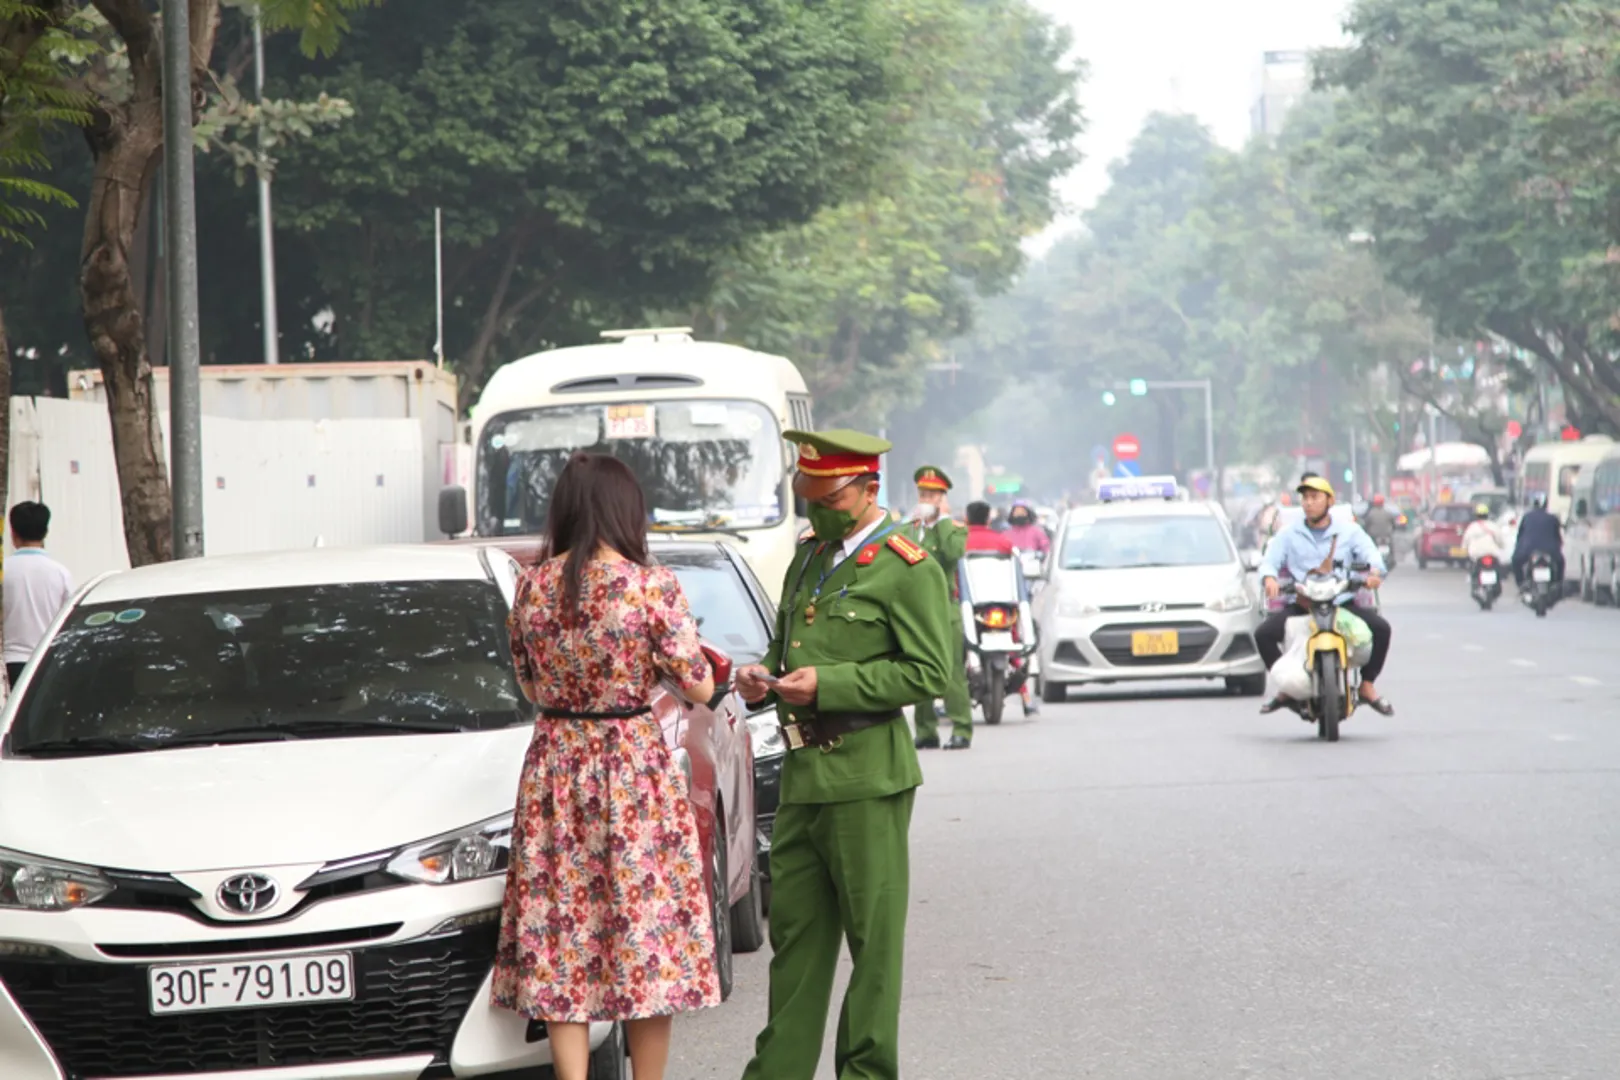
[1377, 705]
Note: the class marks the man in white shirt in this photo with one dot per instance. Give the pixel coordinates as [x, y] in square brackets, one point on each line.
[36, 586]
[1483, 536]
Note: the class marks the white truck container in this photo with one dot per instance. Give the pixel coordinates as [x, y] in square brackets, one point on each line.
[415, 390]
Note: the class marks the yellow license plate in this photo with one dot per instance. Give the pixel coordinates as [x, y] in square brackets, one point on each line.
[1457, 552]
[1155, 643]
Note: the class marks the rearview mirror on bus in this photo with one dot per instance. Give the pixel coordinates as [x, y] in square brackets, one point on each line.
[453, 510]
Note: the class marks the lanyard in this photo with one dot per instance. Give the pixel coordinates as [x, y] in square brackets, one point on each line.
[810, 608]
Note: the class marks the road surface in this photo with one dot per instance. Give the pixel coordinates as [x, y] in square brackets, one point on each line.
[1172, 887]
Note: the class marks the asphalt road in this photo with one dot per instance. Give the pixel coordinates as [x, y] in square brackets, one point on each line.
[1172, 887]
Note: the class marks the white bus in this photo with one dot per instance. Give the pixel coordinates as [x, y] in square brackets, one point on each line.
[699, 423]
[1551, 468]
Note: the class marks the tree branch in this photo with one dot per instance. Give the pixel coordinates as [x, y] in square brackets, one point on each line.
[130, 21]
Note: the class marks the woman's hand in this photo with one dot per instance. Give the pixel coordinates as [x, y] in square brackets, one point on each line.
[751, 682]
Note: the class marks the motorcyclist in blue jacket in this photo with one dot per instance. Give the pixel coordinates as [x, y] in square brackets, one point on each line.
[1538, 531]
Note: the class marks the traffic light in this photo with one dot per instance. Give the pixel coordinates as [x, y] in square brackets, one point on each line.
[1108, 397]
[1138, 387]
[1349, 476]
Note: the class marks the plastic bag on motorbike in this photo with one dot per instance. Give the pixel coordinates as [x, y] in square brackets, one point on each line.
[1290, 674]
[1354, 629]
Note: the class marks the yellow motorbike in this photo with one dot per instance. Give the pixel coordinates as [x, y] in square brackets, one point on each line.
[1332, 663]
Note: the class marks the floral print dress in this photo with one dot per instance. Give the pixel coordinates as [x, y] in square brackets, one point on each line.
[606, 914]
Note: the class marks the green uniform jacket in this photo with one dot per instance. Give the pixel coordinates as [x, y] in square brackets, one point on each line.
[946, 541]
[882, 639]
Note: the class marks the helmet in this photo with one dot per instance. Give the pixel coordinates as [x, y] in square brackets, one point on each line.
[1378, 500]
[1539, 501]
[1312, 482]
[1481, 510]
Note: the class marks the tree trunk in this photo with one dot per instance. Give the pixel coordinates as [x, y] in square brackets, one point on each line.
[125, 137]
[5, 425]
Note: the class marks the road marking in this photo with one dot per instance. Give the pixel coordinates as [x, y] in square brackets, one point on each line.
[1562, 738]
[1473, 648]
[1519, 661]
[1586, 680]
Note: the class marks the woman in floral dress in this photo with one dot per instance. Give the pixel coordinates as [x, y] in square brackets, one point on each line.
[606, 914]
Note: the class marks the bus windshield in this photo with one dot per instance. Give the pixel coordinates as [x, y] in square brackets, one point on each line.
[702, 463]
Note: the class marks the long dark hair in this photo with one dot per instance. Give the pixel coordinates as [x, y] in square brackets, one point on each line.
[596, 502]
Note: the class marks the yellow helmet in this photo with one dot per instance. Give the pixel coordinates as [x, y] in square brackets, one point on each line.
[1482, 510]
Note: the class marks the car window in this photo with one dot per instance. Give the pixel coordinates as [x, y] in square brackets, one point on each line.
[1454, 515]
[307, 660]
[1124, 542]
[726, 614]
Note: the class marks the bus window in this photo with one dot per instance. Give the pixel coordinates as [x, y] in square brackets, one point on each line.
[1566, 479]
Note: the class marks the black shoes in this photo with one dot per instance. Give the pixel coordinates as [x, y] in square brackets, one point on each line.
[1275, 704]
[928, 742]
[959, 743]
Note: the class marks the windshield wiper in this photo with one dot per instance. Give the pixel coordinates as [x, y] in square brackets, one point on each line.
[725, 530]
[85, 744]
[281, 730]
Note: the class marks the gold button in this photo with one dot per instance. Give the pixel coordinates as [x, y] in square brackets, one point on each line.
[793, 644]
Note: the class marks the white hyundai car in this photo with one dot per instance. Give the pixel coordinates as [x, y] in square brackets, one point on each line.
[255, 814]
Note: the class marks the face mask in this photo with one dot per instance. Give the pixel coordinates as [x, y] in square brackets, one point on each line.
[829, 524]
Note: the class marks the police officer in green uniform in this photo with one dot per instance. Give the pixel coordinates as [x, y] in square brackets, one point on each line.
[946, 540]
[864, 629]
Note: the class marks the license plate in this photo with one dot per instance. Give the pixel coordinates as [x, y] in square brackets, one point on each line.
[251, 984]
[1458, 553]
[1487, 577]
[1155, 643]
[1541, 573]
[997, 642]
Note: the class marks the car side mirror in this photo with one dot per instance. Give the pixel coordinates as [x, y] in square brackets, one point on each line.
[1580, 508]
[720, 665]
[453, 510]
[1251, 560]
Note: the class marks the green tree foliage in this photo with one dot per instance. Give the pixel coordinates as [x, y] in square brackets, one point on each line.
[1435, 151]
[592, 159]
[33, 46]
[982, 123]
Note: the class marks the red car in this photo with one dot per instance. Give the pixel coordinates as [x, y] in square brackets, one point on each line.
[712, 744]
[1440, 535]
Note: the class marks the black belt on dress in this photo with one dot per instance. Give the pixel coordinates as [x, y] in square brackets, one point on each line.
[826, 730]
[615, 714]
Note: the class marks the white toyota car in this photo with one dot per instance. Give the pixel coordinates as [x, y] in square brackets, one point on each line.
[254, 822]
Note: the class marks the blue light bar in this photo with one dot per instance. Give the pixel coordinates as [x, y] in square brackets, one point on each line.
[1137, 487]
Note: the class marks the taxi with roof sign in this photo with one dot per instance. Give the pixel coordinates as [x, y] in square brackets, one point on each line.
[1147, 585]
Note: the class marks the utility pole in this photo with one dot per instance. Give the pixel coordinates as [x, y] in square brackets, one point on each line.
[185, 346]
[1138, 387]
[267, 239]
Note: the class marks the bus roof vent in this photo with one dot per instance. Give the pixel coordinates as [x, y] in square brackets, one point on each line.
[652, 334]
[625, 381]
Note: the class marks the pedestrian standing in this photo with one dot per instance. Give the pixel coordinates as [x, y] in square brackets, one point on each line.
[606, 915]
[863, 630]
[946, 540]
[35, 587]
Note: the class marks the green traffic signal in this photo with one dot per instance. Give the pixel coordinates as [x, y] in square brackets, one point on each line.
[1138, 387]
[1108, 397]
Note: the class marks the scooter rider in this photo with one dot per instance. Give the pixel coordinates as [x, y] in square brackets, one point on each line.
[1024, 531]
[1380, 523]
[1538, 531]
[1303, 547]
[1483, 536]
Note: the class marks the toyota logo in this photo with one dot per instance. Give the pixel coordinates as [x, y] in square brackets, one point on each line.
[1153, 606]
[248, 894]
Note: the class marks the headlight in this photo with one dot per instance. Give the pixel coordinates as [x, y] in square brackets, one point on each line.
[1072, 607]
[474, 852]
[767, 735]
[1236, 600]
[1322, 591]
[34, 884]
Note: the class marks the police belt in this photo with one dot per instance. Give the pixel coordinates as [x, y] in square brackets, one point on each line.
[826, 730]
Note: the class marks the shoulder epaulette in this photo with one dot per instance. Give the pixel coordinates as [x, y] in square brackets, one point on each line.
[906, 549]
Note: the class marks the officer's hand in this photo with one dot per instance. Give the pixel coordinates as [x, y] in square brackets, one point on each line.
[751, 682]
[1273, 590]
[1374, 580]
[798, 687]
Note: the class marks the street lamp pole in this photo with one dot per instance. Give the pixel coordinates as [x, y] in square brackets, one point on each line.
[185, 347]
[267, 241]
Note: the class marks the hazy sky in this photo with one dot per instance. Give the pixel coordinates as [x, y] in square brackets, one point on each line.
[1198, 56]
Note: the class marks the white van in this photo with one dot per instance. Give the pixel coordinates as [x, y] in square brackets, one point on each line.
[1550, 469]
[699, 423]
[1592, 531]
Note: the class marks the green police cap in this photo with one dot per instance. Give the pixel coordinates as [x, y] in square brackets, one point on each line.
[932, 478]
[838, 452]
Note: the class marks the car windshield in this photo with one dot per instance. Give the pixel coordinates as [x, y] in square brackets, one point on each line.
[1122, 543]
[701, 463]
[306, 662]
[726, 613]
[1453, 515]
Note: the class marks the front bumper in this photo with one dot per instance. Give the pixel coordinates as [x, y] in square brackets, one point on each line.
[1097, 648]
[73, 994]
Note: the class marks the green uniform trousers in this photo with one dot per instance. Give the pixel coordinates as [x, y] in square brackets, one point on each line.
[958, 705]
[837, 869]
